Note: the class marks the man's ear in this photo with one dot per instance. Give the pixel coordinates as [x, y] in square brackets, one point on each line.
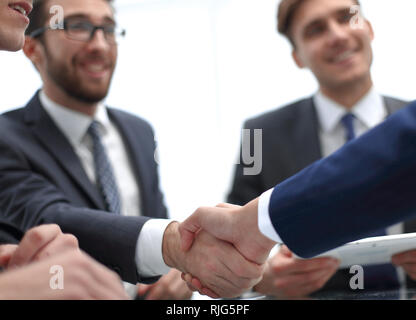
[297, 59]
[370, 28]
[31, 49]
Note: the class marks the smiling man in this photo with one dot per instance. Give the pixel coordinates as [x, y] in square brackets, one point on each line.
[67, 158]
[97, 158]
[27, 265]
[328, 38]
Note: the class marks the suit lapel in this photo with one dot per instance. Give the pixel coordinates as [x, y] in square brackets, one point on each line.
[307, 142]
[393, 105]
[306, 136]
[58, 146]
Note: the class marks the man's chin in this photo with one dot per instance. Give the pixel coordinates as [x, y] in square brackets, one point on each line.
[13, 45]
[89, 97]
[347, 80]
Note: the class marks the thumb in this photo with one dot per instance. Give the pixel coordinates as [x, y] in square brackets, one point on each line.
[211, 219]
[188, 230]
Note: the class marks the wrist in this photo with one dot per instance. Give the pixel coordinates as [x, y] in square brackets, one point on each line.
[264, 243]
[171, 249]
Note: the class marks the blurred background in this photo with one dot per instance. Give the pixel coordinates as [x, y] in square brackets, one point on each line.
[196, 69]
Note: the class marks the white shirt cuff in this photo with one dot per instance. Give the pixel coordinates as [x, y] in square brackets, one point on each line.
[149, 257]
[265, 224]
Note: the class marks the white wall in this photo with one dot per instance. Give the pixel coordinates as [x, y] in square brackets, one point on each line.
[197, 68]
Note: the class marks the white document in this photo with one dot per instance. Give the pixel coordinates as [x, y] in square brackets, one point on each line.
[370, 251]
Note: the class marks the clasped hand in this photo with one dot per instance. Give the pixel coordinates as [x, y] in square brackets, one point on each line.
[240, 249]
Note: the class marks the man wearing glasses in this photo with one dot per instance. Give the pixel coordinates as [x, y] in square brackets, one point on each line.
[97, 157]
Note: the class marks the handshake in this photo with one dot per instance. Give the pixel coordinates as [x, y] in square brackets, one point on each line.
[220, 250]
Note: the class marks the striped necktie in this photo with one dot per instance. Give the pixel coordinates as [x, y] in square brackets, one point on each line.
[104, 171]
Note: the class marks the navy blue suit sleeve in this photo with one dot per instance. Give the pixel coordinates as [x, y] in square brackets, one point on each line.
[368, 184]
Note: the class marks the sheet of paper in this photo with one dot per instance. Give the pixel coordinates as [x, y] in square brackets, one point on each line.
[370, 251]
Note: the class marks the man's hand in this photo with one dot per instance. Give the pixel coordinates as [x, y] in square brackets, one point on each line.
[287, 277]
[168, 287]
[406, 260]
[222, 270]
[84, 278]
[234, 224]
[38, 243]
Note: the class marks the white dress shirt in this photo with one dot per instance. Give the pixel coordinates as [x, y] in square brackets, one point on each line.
[369, 112]
[74, 126]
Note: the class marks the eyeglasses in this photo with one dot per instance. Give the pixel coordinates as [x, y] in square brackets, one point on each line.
[82, 30]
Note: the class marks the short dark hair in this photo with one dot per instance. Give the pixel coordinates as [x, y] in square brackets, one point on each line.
[285, 14]
[40, 14]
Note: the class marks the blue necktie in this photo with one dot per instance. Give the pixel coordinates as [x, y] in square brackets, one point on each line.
[348, 122]
[104, 171]
[376, 277]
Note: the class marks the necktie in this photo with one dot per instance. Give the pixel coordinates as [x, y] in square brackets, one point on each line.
[376, 277]
[348, 122]
[104, 171]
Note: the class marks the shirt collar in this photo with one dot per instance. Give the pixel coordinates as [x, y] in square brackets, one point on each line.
[370, 110]
[74, 124]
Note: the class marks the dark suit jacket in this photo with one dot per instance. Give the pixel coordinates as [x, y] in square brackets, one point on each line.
[42, 181]
[290, 143]
[9, 234]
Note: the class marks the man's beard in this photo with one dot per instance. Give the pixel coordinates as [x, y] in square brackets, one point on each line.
[71, 85]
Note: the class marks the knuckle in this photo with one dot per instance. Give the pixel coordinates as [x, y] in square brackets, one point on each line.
[55, 228]
[35, 236]
[280, 284]
[70, 240]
